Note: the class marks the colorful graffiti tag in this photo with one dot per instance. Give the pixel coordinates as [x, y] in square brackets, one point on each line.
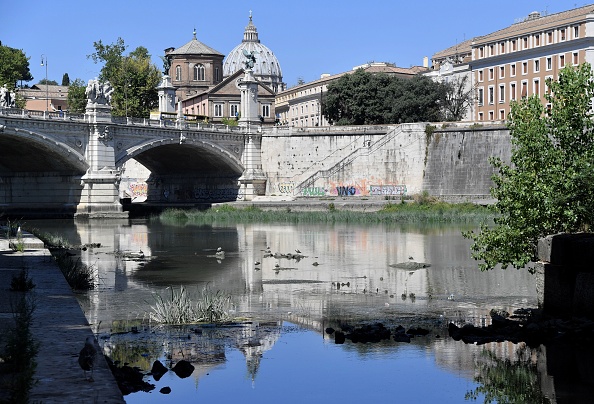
[138, 189]
[387, 190]
[313, 191]
[285, 187]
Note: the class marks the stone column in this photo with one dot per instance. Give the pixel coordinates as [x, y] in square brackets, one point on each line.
[100, 193]
[253, 179]
[166, 93]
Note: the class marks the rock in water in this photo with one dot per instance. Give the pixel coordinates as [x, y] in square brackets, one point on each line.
[87, 356]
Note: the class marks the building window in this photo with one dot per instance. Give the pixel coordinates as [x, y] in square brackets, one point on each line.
[512, 70]
[547, 89]
[536, 66]
[491, 75]
[501, 114]
[218, 110]
[537, 87]
[178, 72]
[199, 72]
[549, 63]
[480, 116]
[481, 96]
[524, 89]
[491, 95]
[481, 52]
[512, 91]
[480, 75]
[502, 48]
[562, 34]
[524, 67]
[491, 50]
[234, 110]
[561, 60]
[550, 37]
[576, 58]
[501, 93]
[537, 40]
[576, 31]
[217, 74]
[491, 118]
[501, 72]
[525, 41]
[266, 110]
[514, 45]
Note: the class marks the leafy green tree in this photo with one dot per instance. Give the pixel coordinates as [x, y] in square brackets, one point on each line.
[548, 187]
[77, 99]
[134, 78]
[362, 98]
[65, 80]
[14, 66]
[49, 82]
[457, 98]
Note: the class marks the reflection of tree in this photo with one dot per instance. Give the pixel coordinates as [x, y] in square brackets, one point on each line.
[507, 382]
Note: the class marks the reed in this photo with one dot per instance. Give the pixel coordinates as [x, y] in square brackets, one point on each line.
[78, 275]
[179, 307]
[426, 211]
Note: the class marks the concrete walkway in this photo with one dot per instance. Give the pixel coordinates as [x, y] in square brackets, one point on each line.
[59, 326]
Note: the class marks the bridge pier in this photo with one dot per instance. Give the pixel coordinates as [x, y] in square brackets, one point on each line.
[253, 179]
[100, 193]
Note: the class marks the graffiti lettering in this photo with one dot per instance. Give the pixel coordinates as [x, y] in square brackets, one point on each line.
[346, 190]
[387, 190]
[285, 187]
[205, 194]
[138, 189]
[313, 191]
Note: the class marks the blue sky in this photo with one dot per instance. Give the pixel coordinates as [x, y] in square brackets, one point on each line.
[308, 37]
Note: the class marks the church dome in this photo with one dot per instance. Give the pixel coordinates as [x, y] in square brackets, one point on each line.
[266, 68]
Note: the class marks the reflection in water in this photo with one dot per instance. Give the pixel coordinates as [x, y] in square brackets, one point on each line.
[345, 275]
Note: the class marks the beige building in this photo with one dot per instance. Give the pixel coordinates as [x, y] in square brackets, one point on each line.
[41, 97]
[301, 106]
[515, 62]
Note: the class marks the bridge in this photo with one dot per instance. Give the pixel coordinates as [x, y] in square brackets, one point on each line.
[71, 165]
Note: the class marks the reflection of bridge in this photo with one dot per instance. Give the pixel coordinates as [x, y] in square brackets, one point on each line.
[72, 164]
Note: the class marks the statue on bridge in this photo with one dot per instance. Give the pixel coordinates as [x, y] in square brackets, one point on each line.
[7, 98]
[98, 93]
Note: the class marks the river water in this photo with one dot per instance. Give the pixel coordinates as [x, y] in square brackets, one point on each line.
[346, 276]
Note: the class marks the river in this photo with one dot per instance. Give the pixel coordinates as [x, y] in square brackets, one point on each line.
[345, 276]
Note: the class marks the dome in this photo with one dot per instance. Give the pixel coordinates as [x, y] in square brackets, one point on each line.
[266, 69]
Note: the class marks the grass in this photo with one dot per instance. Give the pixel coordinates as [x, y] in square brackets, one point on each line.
[78, 275]
[19, 353]
[179, 307]
[422, 209]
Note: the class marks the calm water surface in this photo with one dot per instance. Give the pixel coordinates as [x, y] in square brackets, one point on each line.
[345, 277]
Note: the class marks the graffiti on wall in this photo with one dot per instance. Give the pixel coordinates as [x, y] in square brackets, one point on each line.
[348, 190]
[313, 191]
[137, 189]
[387, 190]
[285, 187]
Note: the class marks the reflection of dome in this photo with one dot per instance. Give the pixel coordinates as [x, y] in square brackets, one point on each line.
[266, 69]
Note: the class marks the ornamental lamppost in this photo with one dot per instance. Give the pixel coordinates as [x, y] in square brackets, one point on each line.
[44, 63]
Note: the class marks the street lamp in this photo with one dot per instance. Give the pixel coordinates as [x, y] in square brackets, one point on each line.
[44, 63]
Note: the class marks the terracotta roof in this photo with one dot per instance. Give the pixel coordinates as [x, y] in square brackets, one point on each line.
[535, 22]
[195, 47]
[461, 48]
[39, 91]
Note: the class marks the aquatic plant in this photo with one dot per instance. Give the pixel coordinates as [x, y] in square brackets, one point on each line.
[181, 308]
[52, 240]
[78, 275]
[425, 210]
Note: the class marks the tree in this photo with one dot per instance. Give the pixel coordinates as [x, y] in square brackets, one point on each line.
[65, 80]
[457, 98]
[49, 82]
[548, 187]
[14, 66]
[77, 98]
[134, 78]
[362, 98]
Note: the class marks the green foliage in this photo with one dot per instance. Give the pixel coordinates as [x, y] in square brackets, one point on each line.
[548, 187]
[134, 78]
[362, 98]
[78, 275]
[77, 99]
[22, 282]
[48, 82]
[229, 121]
[182, 308]
[457, 98]
[14, 66]
[65, 80]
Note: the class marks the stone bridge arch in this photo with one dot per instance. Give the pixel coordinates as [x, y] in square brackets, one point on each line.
[185, 171]
[39, 173]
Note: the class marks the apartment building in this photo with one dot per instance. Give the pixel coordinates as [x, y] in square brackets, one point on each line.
[515, 61]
